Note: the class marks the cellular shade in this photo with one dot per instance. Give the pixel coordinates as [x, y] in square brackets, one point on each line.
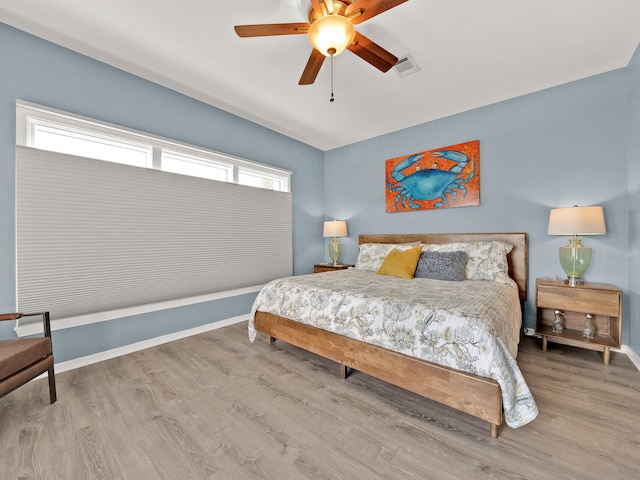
[95, 235]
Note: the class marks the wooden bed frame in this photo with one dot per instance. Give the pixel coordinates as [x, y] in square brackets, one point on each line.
[477, 396]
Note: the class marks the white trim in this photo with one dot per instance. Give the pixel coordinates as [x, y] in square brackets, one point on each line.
[135, 347]
[62, 323]
[633, 356]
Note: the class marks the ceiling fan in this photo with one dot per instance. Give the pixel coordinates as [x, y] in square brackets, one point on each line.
[331, 30]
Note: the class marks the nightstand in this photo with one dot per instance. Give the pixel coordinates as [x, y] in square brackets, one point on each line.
[602, 301]
[328, 267]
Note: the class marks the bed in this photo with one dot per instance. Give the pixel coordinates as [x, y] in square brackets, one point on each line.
[461, 355]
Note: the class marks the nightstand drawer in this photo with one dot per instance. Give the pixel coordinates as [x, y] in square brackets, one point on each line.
[598, 302]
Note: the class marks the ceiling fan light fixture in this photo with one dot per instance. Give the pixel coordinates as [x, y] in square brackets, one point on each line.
[331, 34]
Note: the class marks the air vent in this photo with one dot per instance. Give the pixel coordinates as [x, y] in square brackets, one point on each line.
[405, 66]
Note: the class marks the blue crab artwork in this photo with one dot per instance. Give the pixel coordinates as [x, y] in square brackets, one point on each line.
[447, 186]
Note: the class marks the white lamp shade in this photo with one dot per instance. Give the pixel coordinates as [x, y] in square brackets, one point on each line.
[335, 228]
[577, 221]
[331, 34]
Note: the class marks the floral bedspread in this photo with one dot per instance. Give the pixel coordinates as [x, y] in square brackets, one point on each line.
[471, 325]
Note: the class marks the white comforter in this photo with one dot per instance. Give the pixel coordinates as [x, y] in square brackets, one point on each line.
[471, 325]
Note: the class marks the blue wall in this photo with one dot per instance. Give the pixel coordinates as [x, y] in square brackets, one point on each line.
[44, 73]
[555, 148]
[634, 203]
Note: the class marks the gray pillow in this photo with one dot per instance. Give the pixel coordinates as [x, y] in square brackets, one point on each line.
[441, 265]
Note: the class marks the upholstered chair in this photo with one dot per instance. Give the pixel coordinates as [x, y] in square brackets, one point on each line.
[23, 359]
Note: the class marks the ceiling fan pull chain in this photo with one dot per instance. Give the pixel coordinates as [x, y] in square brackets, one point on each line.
[331, 99]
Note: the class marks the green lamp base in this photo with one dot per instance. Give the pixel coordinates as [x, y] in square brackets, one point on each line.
[575, 260]
[335, 250]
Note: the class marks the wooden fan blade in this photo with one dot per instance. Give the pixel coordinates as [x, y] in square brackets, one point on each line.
[268, 29]
[373, 53]
[313, 67]
[370, 8]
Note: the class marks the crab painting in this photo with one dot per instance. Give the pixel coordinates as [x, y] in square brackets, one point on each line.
[434, 179]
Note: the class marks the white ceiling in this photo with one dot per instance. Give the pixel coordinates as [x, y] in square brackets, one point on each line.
[470, 53]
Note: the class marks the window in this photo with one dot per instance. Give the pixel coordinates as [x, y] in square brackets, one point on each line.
[254, 178]
[85, 143]
[99, 240]
[196, 167]
[56, 131]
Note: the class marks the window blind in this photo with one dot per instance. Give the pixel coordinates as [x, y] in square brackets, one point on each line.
[94, 236]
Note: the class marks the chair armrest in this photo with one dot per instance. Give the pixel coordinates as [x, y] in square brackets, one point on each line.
[46, 323]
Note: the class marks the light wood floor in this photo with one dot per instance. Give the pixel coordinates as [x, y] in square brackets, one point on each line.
[215, 406]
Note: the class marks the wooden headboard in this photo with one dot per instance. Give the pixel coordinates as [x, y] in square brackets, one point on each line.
[517, 258]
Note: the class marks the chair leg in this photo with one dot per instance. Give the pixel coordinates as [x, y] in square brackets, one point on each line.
[52, 386]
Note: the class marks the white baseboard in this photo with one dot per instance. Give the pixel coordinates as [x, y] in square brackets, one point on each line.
[152, 342]
[633, 356]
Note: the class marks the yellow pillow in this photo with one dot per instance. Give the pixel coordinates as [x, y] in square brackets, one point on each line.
[401, 263]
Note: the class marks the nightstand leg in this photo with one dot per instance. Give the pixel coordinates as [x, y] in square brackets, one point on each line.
[606, 355]
[544, 343]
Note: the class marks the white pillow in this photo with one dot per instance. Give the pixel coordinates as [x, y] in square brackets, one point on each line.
[485, 260]
[371, 255]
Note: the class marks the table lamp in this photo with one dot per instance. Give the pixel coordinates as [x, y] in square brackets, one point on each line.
[574, 221]
[335, 229]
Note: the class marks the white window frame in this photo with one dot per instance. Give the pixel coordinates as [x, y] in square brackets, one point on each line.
[29, 115]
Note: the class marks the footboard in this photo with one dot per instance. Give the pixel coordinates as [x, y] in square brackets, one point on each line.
[476, 396]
